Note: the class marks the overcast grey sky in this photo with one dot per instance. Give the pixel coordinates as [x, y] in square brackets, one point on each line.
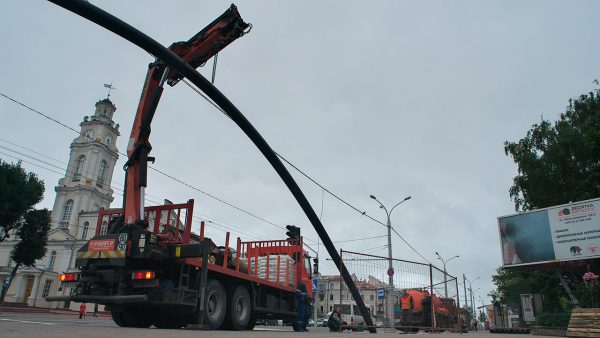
[391, 98]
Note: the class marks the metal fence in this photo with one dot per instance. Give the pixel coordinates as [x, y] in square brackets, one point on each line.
[383, 290]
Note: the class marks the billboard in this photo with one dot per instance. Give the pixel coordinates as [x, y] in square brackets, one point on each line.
[566, 232]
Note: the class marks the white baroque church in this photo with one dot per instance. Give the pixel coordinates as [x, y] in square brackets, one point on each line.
[85, 188]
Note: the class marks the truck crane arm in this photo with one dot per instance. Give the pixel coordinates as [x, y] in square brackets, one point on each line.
[196, 51]
[133, 35]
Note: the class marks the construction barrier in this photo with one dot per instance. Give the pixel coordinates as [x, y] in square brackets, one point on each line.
[399, 298]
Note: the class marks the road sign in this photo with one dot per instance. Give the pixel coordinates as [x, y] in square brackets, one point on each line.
[315, 285]
[390, 272]
[6, 282]
[380, 293]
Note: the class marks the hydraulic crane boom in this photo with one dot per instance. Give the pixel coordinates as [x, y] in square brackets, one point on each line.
[196, 51]
[155, 80]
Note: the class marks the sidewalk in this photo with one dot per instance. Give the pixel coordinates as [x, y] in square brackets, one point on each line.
[29, 309]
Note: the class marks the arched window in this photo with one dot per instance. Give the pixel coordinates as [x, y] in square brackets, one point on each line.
[52, 260]
[103, 228]
[66, 216]
[84, 232]
[101, 173]
[78, 168]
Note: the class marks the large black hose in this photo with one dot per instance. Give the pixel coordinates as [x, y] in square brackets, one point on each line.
[143, 41]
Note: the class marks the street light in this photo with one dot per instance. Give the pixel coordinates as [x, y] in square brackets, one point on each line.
[390, 271]
[389, 226]
[445, 274]
[471, 291]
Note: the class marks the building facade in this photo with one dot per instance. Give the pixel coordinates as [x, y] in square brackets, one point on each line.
[85, 188]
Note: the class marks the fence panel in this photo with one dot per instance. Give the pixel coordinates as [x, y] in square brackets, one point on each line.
[398, 298]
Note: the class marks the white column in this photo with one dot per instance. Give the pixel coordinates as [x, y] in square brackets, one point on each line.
[34, 291]
[18, 282]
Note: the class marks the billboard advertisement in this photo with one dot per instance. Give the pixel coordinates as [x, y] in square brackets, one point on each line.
[560, 233]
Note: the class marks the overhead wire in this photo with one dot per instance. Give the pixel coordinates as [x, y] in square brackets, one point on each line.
[363, 213]
[114, 185]
[152, 168]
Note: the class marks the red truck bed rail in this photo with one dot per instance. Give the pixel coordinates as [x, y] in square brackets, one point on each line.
[272, 262]
[163, 220]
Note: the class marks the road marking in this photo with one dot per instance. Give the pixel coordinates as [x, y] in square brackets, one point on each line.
[26, 321]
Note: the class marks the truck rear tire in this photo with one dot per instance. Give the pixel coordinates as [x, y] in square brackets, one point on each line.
[132, 318]
[167, 321]
[215, 305]
[251, 323]
[118, 318]
[240, 308]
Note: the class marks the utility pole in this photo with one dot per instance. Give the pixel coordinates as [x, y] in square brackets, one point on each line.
[390, 271]
[465, 287]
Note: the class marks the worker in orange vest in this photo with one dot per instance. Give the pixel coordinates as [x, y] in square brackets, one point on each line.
[407, 307]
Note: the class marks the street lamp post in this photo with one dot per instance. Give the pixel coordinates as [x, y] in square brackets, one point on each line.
[445, 274]
[390, 265]
[471, 292]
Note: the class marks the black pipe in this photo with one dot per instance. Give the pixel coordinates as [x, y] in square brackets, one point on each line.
[143, 41]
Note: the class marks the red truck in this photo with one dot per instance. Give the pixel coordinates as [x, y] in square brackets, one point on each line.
[151, 269]
[158, 276]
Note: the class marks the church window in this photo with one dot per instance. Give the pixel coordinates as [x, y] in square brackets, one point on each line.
[101, 173]
[47, 287]
[78, 168]
[103, 228]
[84, 232]
[66, 216]
[52, 260]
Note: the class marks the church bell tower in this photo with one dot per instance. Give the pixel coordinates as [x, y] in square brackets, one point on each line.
[85, 188]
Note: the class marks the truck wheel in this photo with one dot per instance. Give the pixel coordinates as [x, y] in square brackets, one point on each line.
[240, 308]
[215, 304]
[137, 318]
[118, 318]
[251, 323]
[132, 318]
[167, 321]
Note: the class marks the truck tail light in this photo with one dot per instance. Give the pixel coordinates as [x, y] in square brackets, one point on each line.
[68, 277]
[143, 275]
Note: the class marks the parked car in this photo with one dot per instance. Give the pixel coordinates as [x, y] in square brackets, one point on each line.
[311, 323]
[320, 322]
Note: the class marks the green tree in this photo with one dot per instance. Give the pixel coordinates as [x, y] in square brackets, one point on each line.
[19, 193]
[32, 232]
[559, 162]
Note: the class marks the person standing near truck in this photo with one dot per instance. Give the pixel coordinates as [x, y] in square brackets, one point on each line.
[302, 309]
[407, 308]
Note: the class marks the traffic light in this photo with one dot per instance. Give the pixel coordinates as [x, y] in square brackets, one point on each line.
[315, 266]
[293, 232]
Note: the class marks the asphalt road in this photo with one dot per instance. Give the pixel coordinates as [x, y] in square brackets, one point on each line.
[50, 325]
